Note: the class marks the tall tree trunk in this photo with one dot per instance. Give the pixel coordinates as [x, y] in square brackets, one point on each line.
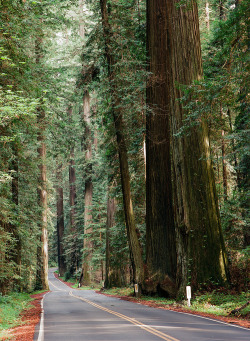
[160, 229]
[60, 221]
[72, 213]
[72, 188]
[223, 156]
[207, 19]
[134, 243]
[218, 176]
[42, 200]
[42, 254]
[224, 167]
[86, 275]
[14, 227]
[111, 208]
[233, 146]
[73, 261]
[82, 24]
[201, 250]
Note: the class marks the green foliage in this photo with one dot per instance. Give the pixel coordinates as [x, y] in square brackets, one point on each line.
[220, 303]
[24, 79]
[216, 302]
[10, 308]
[124, 291]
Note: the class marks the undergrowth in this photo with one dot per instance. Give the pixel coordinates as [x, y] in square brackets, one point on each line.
[221, 303]
[217, 303]
[11, 307]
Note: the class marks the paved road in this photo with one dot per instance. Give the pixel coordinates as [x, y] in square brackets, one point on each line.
[83, 315]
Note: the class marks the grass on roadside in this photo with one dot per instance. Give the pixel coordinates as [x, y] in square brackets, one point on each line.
[11, 307]
[217, 303]
[127, 291]
[221, 303]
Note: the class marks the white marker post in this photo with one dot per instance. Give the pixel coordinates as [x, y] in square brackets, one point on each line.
[188, 290]
[136, 290]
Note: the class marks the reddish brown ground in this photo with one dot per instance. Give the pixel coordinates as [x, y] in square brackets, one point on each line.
[69, 284]
[30, 318]
[232, 320]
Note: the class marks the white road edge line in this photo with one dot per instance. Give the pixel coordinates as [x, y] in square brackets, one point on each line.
[60, 281]
[213, 320]
[41, 329]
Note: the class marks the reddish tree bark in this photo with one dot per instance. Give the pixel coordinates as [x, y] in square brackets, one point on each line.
[117, 113]
[160, 229]
[60, 221]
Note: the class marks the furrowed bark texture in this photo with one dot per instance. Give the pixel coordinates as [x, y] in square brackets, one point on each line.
[224, 165]
[134, 243]
[86, 276]
[111, 208]
[42, 200]
[42, 252]
[207, 18]
[72, 188]
[160, 229]
[72, 202]
[201, 250]
[15, 198]
[60, 222]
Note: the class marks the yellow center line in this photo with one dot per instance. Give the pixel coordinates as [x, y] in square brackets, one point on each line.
[124, 317]
[56, 286]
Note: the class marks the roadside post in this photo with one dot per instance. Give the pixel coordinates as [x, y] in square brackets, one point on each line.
[136, 290]
[188, 291]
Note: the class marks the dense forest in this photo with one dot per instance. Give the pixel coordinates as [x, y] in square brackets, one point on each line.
[124, 155]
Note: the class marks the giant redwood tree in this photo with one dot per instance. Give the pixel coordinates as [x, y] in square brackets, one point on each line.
[117, 113]
[86, 275]
[200, 245]
[160, 230]
[42, 252]
[60, 221]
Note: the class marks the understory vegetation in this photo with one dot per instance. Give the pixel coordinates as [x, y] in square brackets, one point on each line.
[11, 306]
[217, 303]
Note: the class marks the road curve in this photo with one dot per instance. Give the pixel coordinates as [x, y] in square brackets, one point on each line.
[83, 315]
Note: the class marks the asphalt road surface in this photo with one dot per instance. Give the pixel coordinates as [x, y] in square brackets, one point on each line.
[83, 315]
